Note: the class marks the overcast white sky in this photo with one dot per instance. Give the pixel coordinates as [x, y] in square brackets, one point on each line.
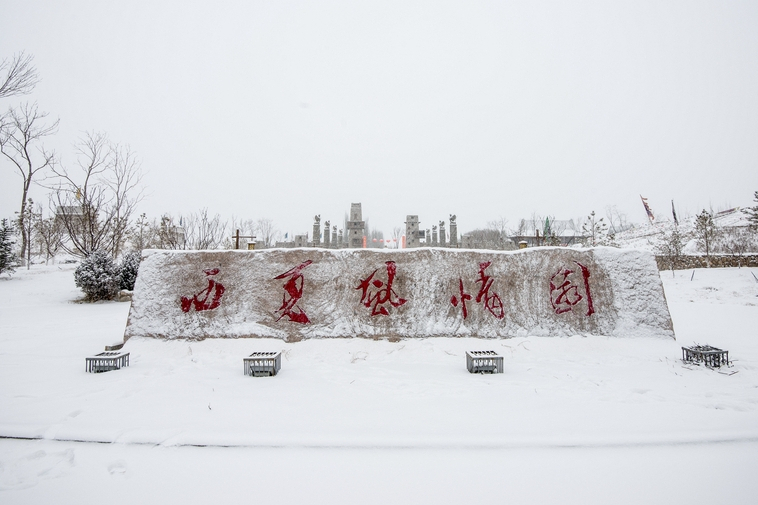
[482, 109]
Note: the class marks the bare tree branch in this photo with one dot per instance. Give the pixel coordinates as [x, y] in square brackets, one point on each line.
[266, 231]
[49, 234]
[21, 131]
[96, 202]
[204, 232]
[20, 76]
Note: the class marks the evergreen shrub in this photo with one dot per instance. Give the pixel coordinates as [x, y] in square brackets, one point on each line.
[8, 258]
[128, 270]
[98, 276]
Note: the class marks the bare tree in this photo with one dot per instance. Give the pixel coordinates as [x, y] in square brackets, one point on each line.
[595, 230]
[96, 201]
[143, 235]
[752, 214]
[487, 238]
[397, 234]
[247, 232]
[204, 232]
[17, 75]
[28, 219]
[171, 235]
[737, 241]
[49, 234]
[617, 220]
[495, 236]
[706, 233]
[21, 132]
[247, 227]
[124, 181]
[266, 231]
[671, 246]
[523, 225]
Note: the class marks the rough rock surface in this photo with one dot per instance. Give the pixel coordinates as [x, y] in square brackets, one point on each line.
[541, 291]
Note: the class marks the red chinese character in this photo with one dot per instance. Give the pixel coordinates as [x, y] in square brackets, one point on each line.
[293, 291]
[384, 292]
[207, 302]
[464, 296]
[564, 292]
[492, 302]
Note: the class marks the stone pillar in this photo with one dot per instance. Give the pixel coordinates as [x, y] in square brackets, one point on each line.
[326, 234]
[428, 237]
[443, 239]
[317, 230]
[434, 235]
[411, 231]
[340, 245]
[453, 231]
[335, 244]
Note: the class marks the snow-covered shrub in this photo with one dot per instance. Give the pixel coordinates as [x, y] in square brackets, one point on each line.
[128, 270]
[8, 259]
[98, 276]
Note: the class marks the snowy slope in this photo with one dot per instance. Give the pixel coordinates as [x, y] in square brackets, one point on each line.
[647, 236]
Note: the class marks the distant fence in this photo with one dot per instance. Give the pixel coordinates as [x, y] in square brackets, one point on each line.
[716, 261]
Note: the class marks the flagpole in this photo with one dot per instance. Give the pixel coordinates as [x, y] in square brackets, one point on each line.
[673, 212]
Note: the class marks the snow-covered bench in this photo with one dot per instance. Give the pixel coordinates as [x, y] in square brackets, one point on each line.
[262, 364]
[710, 356]
[484, 362]
[106, 361]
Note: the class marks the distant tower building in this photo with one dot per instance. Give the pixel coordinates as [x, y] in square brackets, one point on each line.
[411, 231]
[453, 231]
[434, 235]
[355, 227]
[301, 240]
[442, 234]
[317, 230]
[326, 234]
[335, 244]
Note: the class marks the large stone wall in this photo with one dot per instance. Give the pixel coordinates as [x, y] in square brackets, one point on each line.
[310, 293]
[716, 261]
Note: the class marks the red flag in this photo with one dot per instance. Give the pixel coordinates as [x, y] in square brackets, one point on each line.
[650, 215]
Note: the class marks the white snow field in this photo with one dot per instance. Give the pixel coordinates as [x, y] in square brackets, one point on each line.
[572, 420]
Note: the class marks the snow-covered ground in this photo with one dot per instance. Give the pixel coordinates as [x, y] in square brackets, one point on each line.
[572, 420]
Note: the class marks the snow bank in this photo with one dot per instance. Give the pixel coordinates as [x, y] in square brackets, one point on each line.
[309, 293]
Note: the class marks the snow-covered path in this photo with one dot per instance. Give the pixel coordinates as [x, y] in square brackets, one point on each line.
[572, 420]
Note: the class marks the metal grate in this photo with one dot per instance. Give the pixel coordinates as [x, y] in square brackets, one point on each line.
[262, 364]
[106, 361]
[484, 362]
[710, 356]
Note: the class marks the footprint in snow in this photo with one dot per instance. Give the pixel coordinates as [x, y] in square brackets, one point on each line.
[117, 467]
